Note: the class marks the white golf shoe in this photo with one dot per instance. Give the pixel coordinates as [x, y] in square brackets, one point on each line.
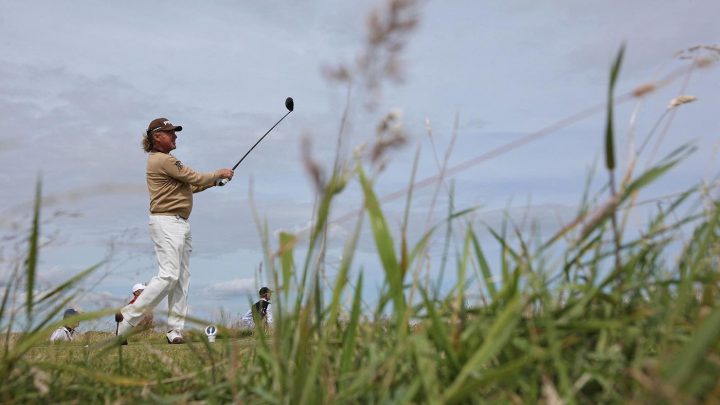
[174, 337]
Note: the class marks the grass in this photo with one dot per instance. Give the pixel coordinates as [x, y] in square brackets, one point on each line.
[162, 370]
[581, 331]
[595, 313]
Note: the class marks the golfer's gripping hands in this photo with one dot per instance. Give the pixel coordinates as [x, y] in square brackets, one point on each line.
[223, 176]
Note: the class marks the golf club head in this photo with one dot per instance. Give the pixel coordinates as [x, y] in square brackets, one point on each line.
[289, 104]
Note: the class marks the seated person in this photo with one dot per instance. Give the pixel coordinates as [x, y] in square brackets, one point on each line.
[67, 332]
[261, 309]
[147, 320]
[136, 291]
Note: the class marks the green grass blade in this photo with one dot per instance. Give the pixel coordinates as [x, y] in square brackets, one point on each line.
[31, 263]
[684, 365]
[66, 285]
[484, 267]
[654, 173]
[438, 332]
[506, 371]
[427, 367]
[351, 330]
[383, 243]
[6, 294]
[287, 263]
[609, 141]
[446, 245]
[421, 245]
[498, 335]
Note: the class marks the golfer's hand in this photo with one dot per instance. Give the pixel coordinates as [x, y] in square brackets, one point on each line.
[224, 175]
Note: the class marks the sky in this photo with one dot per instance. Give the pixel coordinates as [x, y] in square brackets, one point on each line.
[82, 79]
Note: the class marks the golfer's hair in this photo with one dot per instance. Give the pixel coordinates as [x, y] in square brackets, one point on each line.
[147, 142]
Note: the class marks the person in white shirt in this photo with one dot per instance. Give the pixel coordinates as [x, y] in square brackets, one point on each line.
[260, 310]
[67, 332]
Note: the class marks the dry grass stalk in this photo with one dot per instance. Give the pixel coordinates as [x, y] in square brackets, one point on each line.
[550, 392]
[600, 214]
[390, 135]
[643, 90]
[698, 53]
[680, 100]
[40, 380]
[312, 167]
[389, 29]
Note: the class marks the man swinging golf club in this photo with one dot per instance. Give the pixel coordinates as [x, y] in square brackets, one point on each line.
[171, 185]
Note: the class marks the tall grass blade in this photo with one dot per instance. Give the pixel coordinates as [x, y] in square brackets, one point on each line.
[426, 363]
[685, 363]
[654, 173]
[31, 263]
[287, 263]
[438, 332]
[66, 285]
[383, 243]
[484, 267]
[351, 330]
[341, 279]
[497, 337]
[446, 245]
[609, 141]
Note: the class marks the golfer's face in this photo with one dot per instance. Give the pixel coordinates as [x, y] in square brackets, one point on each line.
[137, 293]
[165, 141]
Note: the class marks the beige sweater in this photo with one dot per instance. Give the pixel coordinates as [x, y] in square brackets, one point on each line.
[172, 184]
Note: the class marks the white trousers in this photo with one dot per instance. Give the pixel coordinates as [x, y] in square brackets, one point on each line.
[173, 245]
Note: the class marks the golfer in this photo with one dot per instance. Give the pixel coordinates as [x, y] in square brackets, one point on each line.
[67, 332]
[171, 185]
[260, 310]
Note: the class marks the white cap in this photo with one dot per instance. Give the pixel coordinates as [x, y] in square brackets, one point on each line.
[138, 286]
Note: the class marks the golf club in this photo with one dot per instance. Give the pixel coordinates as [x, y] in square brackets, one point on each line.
[118, 319]
[290, 105]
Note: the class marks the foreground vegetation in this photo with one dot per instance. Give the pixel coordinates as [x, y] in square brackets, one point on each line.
[578, 331]
[595, 313]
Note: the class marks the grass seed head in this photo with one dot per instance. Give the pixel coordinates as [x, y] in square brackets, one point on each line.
[680, 100]
[644, 89]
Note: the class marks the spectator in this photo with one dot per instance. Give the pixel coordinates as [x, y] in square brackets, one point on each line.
[147, 320]
[67, 332]
[260, 310]
[136, 291]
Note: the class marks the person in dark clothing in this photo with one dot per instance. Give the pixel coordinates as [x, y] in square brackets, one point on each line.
[261, 310]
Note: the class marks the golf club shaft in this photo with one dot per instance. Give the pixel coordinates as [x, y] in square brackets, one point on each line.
[224, 181]
[256, 143]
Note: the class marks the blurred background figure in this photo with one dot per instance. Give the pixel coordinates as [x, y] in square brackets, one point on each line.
[67, 332]
[260, 310]
[147, 321]
[136, 291]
